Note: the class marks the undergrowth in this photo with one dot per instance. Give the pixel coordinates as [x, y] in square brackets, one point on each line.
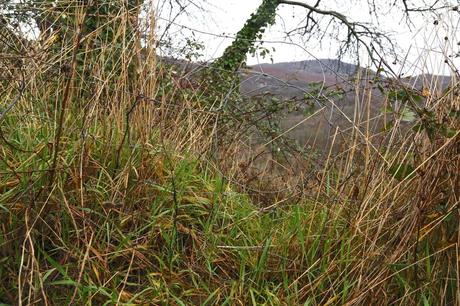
[113, 191]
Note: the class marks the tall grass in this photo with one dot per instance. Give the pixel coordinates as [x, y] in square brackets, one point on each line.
[113, 192]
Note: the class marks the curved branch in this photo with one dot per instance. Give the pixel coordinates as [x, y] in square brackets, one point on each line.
[315, 9]
[356, 30]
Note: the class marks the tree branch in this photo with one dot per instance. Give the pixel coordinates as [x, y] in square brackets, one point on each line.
[355, 29]
[315, 9]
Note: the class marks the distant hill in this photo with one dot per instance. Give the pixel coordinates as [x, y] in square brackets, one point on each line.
[320, 66]
[297, 74]
[334, 71]
[292, 80]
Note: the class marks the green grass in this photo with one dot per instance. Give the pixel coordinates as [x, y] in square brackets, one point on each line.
[160, 216]
[167, 229]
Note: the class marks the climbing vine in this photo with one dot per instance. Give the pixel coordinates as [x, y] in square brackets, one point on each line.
[223, 75]
[235, 55]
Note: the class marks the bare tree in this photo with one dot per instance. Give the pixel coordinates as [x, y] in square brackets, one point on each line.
[359, 34]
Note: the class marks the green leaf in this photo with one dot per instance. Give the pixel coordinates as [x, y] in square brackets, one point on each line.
[315, 85]
[309, 110]
[388, 126]
[400, 95]
[408, 115]
[402, 171]
[66, 282]
[447, 131]
[426, 302]
[275, 99]
[418, 128]
[455, 114]
[386, 109]
[417, 98]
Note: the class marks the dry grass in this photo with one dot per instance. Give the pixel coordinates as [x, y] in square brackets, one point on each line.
[113, 192]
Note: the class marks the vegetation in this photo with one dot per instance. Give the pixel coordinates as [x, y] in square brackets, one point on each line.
[118, 187]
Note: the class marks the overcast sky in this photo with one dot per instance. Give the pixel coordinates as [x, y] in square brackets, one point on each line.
[424, 43]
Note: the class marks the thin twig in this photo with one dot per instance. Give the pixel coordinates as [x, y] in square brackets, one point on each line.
[67, 96]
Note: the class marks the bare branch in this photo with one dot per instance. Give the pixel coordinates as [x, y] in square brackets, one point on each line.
[316, 9]
[357, 32]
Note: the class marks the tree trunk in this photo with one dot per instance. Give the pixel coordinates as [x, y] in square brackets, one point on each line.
[236, 53]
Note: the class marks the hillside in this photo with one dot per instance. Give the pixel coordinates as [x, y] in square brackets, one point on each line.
[292, 81]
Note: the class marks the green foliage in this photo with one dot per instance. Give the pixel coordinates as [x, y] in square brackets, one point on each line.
[223, 72]
[402, 171]
[164, 225]
[407, 106]
[404, 95]
[235, 55]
